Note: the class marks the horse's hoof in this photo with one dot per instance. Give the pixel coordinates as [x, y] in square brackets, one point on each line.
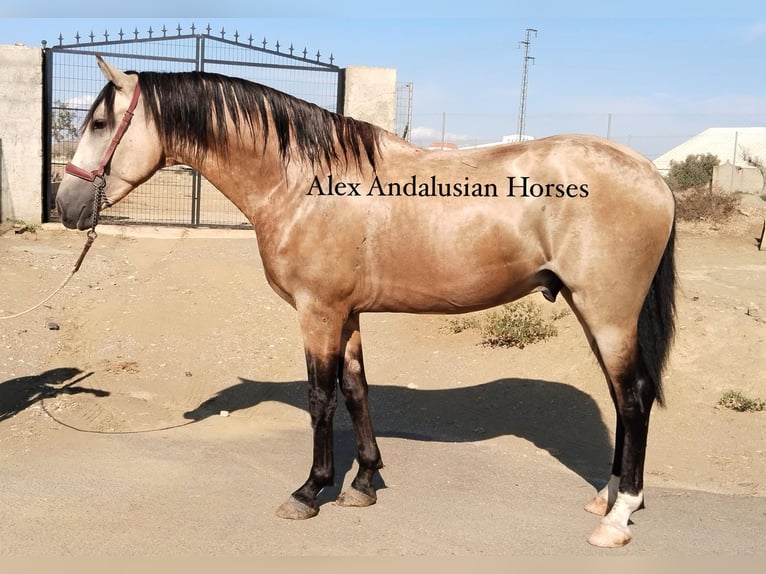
[293, 509]
[353, 497]
[598, 506]
[610, 535]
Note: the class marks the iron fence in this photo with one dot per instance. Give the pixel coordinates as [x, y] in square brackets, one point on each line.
[176, 195]
[404, 110]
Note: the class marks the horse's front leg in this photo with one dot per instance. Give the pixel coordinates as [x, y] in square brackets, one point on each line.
[321, 331]
[353, 384]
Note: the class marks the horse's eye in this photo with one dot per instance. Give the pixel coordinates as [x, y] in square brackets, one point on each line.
[98, 124]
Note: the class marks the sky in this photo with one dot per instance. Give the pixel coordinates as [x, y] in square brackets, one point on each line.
[650, 76]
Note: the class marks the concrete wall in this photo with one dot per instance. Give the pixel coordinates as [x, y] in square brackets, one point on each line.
[21, 153]
[370, 95]
[745, 179]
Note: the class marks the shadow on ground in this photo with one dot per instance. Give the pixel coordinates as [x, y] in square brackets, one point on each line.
[22, 392]
[555, 417]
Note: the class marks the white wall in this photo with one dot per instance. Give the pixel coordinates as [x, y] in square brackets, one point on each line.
[21, 152]
[370, 95]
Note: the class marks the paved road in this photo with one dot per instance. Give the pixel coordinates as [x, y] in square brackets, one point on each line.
[212, 487]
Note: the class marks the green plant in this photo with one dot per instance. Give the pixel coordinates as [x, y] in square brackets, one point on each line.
[63, 125]
[694, 172]
[460, 324]
[737, 401]
[560, 314]
[20, 226]
[516, 324]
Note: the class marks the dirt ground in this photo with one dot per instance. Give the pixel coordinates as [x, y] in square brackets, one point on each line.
[114, 439]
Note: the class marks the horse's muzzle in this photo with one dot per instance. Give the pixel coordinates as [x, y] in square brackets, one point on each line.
[75, 208]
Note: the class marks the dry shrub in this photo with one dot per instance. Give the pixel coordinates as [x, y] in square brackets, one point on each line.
[737, 401]
[460, 324]
[705, 204]
[516, 324]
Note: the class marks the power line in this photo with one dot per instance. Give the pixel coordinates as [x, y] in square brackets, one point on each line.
[523, 104]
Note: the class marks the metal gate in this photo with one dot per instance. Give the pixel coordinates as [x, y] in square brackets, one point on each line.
[177, 195]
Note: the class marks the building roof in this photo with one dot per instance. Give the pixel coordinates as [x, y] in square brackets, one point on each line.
[513, 138]
[720, 142]
[442, 145]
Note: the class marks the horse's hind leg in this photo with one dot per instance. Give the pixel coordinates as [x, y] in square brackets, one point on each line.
[603, 501]
[633, 394]
[353, 384]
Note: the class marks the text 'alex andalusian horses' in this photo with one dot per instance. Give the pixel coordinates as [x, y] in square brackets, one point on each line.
[351, 219]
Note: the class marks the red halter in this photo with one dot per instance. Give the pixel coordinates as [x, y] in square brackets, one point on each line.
[72, 169]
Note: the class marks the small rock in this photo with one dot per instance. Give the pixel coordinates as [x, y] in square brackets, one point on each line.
[188, 373]
[753, 310]
[224, 413]
[53, 326]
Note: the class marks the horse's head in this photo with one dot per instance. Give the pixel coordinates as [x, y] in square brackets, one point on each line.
[118, 151]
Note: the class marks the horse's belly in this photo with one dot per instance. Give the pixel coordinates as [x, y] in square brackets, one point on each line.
[454, 282]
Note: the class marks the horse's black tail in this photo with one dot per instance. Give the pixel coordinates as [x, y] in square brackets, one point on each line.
[656, 322]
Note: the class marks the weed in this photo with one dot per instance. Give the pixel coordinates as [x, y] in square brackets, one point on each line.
[20, 226]
[736, 401]
[516, 324]
[705, 204]
[460, 324]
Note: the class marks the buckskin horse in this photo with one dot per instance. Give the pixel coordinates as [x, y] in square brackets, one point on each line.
[351, 219]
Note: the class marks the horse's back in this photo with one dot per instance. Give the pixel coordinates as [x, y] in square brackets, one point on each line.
[452, 231]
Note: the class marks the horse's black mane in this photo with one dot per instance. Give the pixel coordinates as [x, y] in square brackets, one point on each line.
[190, 108]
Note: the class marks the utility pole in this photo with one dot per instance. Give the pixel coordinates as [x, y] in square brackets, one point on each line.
[523, 104]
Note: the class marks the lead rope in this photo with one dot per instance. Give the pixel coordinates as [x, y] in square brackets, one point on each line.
[99, 197]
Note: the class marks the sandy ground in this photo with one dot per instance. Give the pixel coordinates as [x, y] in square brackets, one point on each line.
[112, 442]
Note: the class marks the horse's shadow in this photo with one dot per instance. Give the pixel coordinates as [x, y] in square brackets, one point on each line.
[555, 417]
[22, 392]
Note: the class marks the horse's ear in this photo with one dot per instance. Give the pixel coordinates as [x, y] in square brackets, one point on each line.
[119, 78]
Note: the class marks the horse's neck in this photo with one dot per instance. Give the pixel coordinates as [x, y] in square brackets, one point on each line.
[252, 176]
[260, 182]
